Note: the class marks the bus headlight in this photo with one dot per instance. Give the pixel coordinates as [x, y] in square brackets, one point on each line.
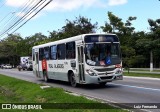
[90, 72]
[119, 71]
[118, 66]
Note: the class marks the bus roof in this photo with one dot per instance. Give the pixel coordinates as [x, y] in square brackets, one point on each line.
[74, 38]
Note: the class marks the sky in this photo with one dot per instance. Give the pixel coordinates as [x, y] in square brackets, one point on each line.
[53, 16]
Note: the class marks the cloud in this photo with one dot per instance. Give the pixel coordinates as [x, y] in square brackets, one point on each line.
[59, 5]
[23, 4]
[116, 2]
[15, 3]
[70, 5]
[64, 5]
[67, 5]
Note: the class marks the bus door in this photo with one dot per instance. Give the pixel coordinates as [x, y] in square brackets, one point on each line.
[81, 64]
[36, 64]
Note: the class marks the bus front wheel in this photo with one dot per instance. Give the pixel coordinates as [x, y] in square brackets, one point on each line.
[73, 80]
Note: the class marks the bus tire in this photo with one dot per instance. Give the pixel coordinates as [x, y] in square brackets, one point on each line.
[45, 77]
[73, 80]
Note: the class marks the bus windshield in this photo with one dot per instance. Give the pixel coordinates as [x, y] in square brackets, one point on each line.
[102, 53]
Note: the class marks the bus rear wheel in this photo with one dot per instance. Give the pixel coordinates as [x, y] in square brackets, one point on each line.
[73, 80]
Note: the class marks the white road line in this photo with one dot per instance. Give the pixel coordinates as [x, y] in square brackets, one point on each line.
[136, 87]
[147, 78]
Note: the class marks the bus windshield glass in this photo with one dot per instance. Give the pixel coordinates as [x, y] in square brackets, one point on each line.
[102, 50]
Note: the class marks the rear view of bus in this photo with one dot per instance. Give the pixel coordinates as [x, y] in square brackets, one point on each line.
[103, 62]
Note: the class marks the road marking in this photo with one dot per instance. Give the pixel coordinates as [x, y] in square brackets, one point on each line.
[148, 78]
[136, 87]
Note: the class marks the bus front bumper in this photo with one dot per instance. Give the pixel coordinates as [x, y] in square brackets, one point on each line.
[99, 79]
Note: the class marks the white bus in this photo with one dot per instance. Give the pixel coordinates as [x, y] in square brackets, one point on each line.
[83, 59]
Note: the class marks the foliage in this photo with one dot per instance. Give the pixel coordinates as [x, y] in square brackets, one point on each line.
[9, 48]
[80, 25]
[135, 46]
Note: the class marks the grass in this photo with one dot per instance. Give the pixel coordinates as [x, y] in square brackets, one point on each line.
[17, 91]
[142, 74]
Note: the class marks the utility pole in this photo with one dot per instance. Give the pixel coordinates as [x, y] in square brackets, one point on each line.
[151, 61]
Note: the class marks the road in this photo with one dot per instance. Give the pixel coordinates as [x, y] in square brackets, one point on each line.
[129, 90]
[146, 72]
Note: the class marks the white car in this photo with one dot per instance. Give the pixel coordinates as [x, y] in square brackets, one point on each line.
[7, 66]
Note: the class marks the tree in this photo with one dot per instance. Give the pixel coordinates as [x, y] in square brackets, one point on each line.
[126, 34]
[29, 42]
[155, 39]
[80, 25]
[9, 49]
[114, 24]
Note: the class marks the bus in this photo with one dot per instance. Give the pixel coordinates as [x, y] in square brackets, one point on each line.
[83, 59]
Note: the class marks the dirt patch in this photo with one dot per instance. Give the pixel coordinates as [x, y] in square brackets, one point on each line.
[6, 92]
[41, 99]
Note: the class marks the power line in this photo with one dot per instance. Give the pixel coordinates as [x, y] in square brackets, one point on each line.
[21, 19]
[6, 16]
[14, 19]
[35, 9]
[33, 15]
[30, 12]
[3, 3]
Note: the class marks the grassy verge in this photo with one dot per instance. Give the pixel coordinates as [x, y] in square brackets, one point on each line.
[17, 91]
[142, 75]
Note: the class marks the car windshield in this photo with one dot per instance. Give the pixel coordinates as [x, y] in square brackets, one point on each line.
[102, 53]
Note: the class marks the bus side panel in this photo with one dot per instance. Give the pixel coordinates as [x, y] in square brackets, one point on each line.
[51, 69]
[57, 70]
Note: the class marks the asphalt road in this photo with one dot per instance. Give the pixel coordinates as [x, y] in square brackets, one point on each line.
[129, 90]
[146, 72]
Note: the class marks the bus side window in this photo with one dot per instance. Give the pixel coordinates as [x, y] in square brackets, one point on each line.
[70, 50]
[41, 53]
[46, 53]
[61, 53]
[53, 52]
